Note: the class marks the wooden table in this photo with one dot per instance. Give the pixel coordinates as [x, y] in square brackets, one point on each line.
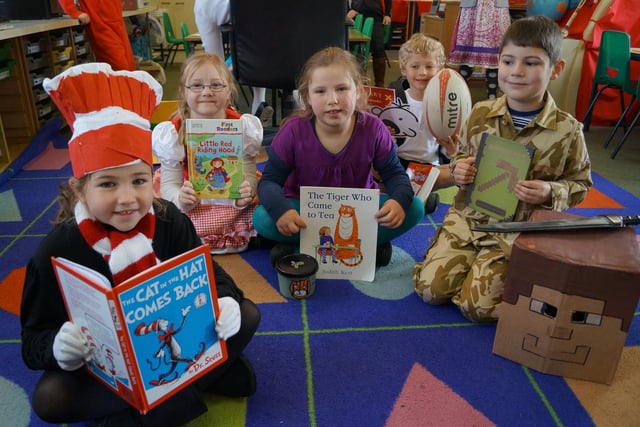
[359, 39]
[193, 40]
[356, 36]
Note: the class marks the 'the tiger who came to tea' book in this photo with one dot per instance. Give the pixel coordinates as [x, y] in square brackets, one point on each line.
[341, 232]
[501, 163]
[214, 150]
[154, 333]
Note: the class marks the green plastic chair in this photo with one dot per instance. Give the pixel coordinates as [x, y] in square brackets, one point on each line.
[357, 22]
[612, 71]
[184, 28]
[630, 127]
[171, 39]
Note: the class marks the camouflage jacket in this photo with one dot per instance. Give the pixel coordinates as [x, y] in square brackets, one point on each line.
[560, 158]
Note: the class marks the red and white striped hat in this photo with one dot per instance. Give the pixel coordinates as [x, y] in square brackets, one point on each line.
[143, 329]
[109, 113]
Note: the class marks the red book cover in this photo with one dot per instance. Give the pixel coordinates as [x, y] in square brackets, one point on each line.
[153, 334]
[379, 96]
[423, 178]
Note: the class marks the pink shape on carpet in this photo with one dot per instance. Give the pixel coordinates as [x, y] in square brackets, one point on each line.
[427, 401]
[51, 158]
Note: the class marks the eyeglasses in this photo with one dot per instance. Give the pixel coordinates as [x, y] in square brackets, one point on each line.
[214, 87]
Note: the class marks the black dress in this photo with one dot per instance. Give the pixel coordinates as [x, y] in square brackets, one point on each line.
[43, 312]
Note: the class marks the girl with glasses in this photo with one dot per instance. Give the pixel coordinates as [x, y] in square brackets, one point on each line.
[207, 90]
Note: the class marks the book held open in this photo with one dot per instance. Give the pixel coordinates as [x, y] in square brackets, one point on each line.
[154, 333]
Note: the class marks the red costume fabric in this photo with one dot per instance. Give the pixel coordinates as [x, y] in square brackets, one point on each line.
[622, 15]
[106, 32]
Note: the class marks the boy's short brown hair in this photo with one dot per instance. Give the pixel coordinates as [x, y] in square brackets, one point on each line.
[536, 31]
[421, 44]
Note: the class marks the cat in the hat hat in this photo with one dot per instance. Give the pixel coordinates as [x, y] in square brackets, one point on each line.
[109, 221]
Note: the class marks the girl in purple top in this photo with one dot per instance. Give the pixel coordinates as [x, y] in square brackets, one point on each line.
[333, 142]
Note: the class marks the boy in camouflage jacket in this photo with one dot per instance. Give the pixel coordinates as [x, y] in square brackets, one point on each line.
[468, 267]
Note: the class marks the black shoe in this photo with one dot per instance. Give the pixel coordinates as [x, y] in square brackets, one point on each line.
[431, 204]
[126, 417]
[176, 411]
[239, 380]
[280, 250]
[383, 254]
[260, 242]
[264, 113]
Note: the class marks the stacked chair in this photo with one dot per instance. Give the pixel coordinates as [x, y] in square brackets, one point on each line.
[613, 72]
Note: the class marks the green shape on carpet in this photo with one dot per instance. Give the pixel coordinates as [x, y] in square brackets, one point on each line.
[393, 282]
[9, 210]
[447, 194]
[14, 403]
[223, 411]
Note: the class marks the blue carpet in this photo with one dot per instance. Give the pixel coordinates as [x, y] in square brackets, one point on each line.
[354, 354]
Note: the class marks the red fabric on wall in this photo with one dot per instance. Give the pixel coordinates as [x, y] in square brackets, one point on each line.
[399, 11]
[423, 7]
[622, 16]
[581, 20]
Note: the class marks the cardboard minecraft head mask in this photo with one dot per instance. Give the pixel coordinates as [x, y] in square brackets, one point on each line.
[569, 300]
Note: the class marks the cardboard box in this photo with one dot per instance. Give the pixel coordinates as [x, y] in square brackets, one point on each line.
[134, 4]
[432, 25]
[569, 300]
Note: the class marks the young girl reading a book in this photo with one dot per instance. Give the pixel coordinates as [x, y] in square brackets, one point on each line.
[207, 91]
[333, 142]
[109, 221]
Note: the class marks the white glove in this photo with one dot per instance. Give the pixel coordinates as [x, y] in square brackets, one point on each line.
[70, 348]
[228, 323]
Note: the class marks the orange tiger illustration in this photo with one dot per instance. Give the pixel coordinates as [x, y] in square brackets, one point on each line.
[346, 237]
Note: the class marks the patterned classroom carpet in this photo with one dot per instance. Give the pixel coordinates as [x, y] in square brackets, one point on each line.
[353, 354]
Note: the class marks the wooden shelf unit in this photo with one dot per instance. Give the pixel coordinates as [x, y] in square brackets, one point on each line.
[38, 49]
[439, 27]
[24, 105]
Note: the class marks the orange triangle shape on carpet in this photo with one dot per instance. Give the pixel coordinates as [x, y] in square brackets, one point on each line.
[254, 286]
[11, 290]
[51, 158]
[427, 401]
[597, 199]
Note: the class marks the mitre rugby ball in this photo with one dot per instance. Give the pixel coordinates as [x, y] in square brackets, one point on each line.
[446, 103]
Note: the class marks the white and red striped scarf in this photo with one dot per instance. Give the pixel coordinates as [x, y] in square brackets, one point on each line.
[126, 253]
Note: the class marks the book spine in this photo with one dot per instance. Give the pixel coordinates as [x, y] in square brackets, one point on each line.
[135, 395]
